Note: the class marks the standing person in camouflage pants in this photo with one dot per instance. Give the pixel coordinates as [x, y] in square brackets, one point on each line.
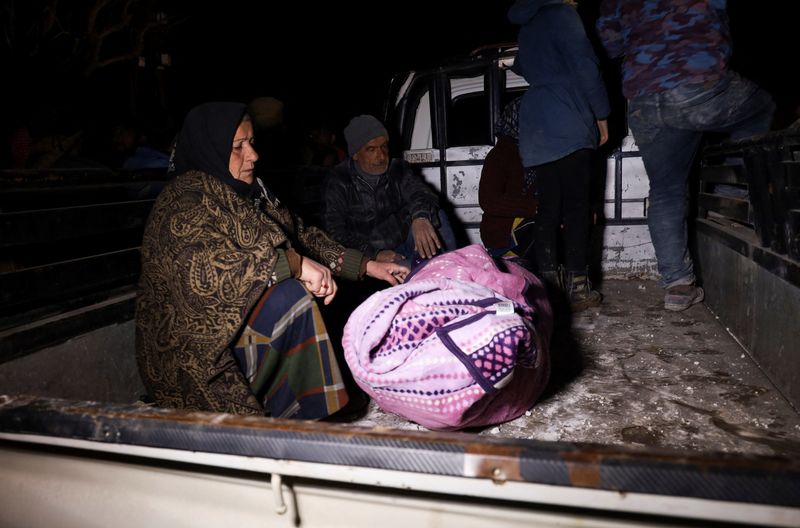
[678, 85]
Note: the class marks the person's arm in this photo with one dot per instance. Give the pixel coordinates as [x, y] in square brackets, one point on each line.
[602, 127]
[387, 271]
[422, 205]
[418, 198]
[318, 246]
[347, 263]
[496, 194]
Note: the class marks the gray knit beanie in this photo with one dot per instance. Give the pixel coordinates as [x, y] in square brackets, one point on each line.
[361, 130]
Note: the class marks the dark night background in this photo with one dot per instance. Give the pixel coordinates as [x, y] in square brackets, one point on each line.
[325, 61]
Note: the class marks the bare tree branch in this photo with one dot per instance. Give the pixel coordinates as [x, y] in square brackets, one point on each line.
[79, 36]
[125, 20]
[49, 16]
[8, 21]
[135, 52]
[93, 13]
[97, 36]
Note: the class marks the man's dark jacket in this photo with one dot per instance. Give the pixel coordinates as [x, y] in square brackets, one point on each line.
[371, 218]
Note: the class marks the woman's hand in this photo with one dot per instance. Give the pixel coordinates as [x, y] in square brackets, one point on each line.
[388, 271]
[318, 279]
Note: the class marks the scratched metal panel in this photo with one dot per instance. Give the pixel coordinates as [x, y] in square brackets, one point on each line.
[475, 153]
[468, 214]
[474, 235]
[230, 434]
[634, 179]
[462, 184]
[628, 251]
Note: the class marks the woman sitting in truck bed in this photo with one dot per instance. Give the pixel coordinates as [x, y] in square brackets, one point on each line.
[226, 318]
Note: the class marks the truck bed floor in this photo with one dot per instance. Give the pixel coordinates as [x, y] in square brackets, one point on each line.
[631, 373]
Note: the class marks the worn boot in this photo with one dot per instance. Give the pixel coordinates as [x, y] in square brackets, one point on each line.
[581, 294]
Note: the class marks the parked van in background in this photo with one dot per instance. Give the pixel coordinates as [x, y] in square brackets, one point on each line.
[445, 118]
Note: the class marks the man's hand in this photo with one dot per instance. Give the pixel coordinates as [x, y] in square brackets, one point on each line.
[602, 126]
[318, 280]
[387, 255]
[426, 242]
[388, 271]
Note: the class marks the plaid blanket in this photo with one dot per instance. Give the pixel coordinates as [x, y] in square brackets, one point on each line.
[286, 355]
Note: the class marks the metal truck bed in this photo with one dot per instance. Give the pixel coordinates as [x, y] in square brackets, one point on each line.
[652, 419]
[632, 373]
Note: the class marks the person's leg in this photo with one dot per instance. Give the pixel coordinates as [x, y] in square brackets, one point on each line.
[574, 175]
[286, 355]
[668, 155]
[735, 105]
[445, 231]
[548, 216]
[753, 107]
[547, 224]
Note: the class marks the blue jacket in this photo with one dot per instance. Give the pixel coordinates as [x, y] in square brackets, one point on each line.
[566, 96]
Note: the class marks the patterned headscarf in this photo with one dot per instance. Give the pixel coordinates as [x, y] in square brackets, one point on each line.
[508, 123]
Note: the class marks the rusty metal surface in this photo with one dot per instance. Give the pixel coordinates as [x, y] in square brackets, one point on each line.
[756, 301]
[756, 479]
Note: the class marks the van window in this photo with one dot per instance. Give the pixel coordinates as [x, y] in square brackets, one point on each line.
[421, 137]
[468, 121]
[467, 115]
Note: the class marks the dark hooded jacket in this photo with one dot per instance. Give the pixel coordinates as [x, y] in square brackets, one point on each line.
[371, 217]
[566, 96]
[502, 193]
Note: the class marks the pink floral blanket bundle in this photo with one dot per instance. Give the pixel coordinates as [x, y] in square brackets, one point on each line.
[463, 343]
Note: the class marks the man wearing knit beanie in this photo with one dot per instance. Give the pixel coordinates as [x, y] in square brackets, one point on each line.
[376, 204]
[361, 130]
